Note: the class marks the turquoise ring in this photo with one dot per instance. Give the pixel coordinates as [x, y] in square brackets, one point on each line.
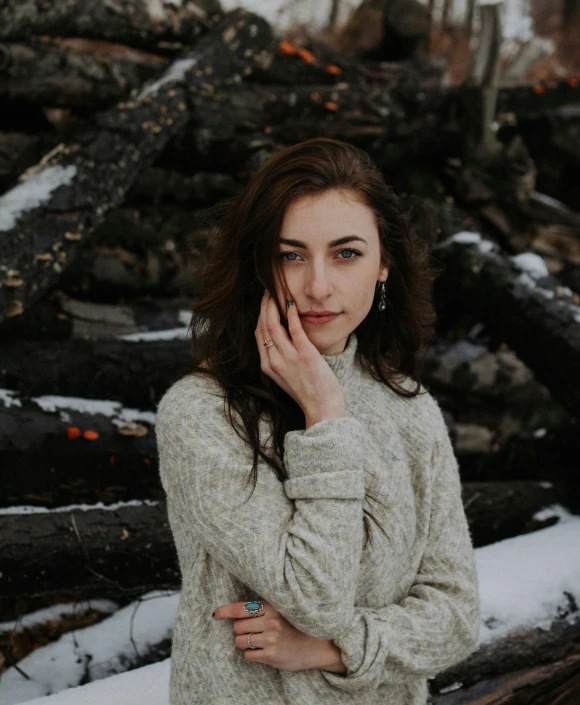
[253, 608]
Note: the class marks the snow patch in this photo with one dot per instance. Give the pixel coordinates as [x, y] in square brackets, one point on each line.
[152, 335]
[95, 652]
[32, 193]
[554, 510]
[56, 612]
[8, 399]
[466, 237]
[531, 263]
[175, 73]
[31, 509]
[526, 581]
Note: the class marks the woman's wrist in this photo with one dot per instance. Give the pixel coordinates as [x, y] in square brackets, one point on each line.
[324, 655]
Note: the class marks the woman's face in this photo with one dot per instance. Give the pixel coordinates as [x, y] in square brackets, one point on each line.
[323, 276]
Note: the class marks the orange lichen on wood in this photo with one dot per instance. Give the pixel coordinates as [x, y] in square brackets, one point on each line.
[73, 432]
[538, 89]
[335, 70]
[331, 106]
[287, 49]
[90, 435]
[306, 56]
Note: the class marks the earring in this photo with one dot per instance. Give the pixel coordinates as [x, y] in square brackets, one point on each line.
[383, 302]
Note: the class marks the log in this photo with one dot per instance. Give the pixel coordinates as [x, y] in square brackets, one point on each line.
[536, 317]
[513, 656]
[34, 368]
[72, 189]
[53, 437]
[119, 552]
[554, 683]
[79, 74]
[60, 317]
[468, 367]
[113, 551]
[501, 510]
[131, 22]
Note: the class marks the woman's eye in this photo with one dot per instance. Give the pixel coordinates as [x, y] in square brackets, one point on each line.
[283, 255]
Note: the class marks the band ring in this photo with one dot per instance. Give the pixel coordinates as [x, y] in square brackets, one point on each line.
[249, 645]
[268, 343]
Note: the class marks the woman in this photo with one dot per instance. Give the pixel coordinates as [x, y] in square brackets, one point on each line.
[346, 574]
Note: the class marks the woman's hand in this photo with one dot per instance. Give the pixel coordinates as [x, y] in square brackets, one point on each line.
[279, 644]
[296, 365]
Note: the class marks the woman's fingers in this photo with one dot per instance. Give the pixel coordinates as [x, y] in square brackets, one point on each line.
[275, 330]
[297, 332]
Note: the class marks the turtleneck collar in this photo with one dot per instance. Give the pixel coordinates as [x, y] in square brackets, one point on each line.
[343, 364]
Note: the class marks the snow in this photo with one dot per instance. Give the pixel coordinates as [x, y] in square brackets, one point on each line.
[118, 413]
[33, 192]
[94, 653]
[53, 612]
[174, 74]
[8, 399]
[32, 509]
[152, 335]
[525, 582]
[531, 263]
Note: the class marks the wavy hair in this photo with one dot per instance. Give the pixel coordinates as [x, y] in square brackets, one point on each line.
[243, 262]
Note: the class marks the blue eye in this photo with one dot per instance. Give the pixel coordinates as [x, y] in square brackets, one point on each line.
[348, 249]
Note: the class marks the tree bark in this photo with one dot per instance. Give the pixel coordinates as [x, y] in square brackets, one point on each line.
[132, 21]
[78, 74]
[73, 188]
[76, 553]
[515, 667]
[541, 323]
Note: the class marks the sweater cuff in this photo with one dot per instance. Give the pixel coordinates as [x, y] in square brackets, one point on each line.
[326, 460]
[358, 654]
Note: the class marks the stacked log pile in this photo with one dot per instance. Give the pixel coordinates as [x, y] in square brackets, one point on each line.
[117, 130]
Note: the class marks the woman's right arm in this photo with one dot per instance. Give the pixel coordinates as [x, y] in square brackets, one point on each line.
[296, 544]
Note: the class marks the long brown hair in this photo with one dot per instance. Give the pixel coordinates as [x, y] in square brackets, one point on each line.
[243, 262]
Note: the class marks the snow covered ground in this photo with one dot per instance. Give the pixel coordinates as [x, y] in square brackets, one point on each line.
[525, 582]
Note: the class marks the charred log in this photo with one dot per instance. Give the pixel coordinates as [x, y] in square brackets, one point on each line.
[72, 189]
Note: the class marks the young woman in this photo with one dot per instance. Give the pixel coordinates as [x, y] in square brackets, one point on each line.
[346, 573]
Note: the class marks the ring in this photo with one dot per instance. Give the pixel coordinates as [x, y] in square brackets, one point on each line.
[250, 646]
[254, 607]
[268, 343]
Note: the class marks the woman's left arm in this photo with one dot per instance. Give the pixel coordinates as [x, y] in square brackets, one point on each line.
[437, 624]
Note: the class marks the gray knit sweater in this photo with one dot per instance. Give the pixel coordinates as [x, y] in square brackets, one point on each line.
[400, 610]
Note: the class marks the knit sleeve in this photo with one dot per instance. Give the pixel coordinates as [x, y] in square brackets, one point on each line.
[436, 625]
[298, 543]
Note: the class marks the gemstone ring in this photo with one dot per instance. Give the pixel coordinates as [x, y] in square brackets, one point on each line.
[253, 608]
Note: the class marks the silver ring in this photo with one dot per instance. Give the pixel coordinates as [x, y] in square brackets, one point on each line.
[268, 343]
[249, 645]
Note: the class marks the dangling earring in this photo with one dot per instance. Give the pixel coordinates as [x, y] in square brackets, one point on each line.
[383, 301]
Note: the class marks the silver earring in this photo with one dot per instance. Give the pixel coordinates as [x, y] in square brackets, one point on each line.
[383, 301]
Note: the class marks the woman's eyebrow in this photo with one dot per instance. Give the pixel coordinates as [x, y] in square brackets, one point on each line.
[333, 243]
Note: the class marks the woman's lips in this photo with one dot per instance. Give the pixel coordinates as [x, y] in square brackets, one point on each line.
[318, 320]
